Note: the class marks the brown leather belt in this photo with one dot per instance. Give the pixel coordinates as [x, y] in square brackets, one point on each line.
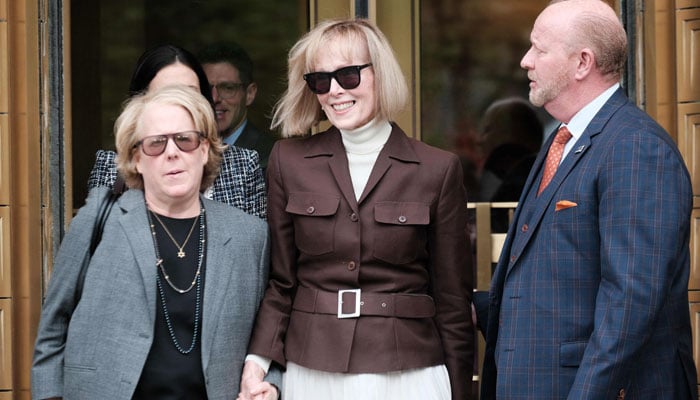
[344, 303]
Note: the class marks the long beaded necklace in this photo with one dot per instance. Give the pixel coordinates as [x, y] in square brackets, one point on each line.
[196, 282]
[181, 252]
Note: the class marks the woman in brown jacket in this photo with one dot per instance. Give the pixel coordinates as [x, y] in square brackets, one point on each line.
[371, 278]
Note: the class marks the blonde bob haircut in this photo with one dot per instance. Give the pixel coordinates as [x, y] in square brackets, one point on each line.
[298, 109]
[128, 130]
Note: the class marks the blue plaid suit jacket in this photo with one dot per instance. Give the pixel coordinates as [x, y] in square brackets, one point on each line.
[240, 183]
[590, 301]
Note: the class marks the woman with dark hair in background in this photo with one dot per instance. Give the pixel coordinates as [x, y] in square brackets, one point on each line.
[159, 65]
[240, 182]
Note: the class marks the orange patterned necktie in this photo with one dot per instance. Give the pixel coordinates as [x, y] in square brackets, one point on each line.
[554, 157]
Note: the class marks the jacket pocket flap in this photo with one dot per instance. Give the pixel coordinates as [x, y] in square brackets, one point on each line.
[571, 353]
[402, 213]
[312, 204]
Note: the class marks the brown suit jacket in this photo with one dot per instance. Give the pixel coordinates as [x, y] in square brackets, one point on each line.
[407, 234]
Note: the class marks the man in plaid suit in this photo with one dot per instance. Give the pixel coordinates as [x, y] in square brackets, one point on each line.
[589, 298]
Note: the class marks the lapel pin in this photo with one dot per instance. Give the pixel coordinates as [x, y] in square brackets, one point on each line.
[579, 149]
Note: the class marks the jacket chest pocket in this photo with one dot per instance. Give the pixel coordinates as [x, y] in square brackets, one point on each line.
[401, 232]
[314, 221]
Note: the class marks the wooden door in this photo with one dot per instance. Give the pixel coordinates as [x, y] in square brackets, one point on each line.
[670, 74]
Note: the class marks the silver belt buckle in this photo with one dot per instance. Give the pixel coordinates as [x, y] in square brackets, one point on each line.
[354, 314]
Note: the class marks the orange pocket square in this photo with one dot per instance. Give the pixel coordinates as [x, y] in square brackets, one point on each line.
[564, 204]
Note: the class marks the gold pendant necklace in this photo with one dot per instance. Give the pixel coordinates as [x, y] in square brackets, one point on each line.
[181, 252]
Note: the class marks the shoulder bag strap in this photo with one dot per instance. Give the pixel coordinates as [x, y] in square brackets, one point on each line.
[100, 220]
[105, 208]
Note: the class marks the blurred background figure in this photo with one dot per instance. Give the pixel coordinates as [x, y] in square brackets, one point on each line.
[511, 137]
[229, 70]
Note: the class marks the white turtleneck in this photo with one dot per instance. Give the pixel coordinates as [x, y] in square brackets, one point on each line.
[362, 146]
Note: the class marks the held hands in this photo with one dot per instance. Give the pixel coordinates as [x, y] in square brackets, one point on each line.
[252, 385]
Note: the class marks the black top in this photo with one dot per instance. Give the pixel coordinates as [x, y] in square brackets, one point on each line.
[169, 374]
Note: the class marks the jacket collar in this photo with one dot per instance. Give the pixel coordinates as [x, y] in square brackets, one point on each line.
[134, 222]
[330, 144]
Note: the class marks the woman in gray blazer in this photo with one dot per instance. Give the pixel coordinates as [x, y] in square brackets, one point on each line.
[172, 290]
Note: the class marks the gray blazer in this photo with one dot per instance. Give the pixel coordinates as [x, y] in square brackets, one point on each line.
[97, 349]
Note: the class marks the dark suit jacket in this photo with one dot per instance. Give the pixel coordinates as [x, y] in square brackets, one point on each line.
[406, 234]
[255, 139]
[590, 301]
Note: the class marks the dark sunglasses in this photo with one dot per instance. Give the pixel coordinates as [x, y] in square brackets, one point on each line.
[155, 145]
[347, 78]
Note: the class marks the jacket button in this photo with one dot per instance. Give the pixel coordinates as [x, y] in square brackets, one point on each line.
[524, 228]
[310, 210]
[351, 266]
[402, 219]
[354, 217]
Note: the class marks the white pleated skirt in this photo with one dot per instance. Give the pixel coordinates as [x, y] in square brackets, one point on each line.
[431, 383]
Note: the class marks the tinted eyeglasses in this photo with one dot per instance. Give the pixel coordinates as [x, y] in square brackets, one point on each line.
[347, 78]
[227, 90]
[155, 145]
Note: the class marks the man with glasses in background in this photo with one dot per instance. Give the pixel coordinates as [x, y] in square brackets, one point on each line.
[229, 69]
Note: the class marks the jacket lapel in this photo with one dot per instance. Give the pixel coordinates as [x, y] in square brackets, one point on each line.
[217, 279]
[580, 148]
[542, 205]
[247, 137]
[134, 222]
[331, 146]
[397, 147]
